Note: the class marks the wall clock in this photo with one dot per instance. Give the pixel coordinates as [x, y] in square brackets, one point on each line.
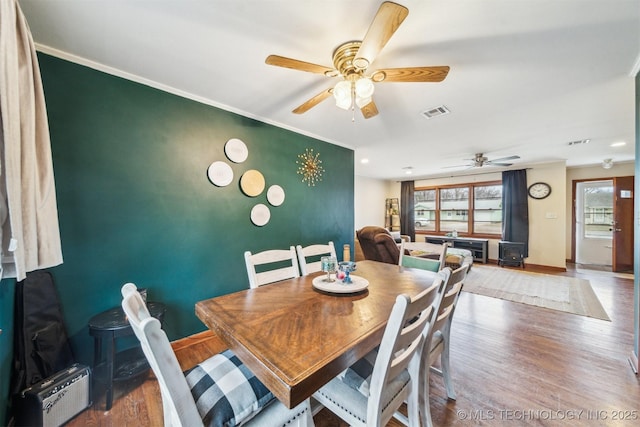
[539, 190]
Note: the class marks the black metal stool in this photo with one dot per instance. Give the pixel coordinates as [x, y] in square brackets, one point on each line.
[126, 364]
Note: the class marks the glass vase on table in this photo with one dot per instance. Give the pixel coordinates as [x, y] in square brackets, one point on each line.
[328, 264]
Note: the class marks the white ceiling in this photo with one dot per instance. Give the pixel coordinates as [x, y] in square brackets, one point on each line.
[527, 76]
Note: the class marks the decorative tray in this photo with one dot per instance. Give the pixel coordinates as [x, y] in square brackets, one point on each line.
[359, 284]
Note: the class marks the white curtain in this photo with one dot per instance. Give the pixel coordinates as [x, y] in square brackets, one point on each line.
[28, 211]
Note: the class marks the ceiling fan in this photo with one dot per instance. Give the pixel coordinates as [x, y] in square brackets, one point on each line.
[481, 160]
[351, 61]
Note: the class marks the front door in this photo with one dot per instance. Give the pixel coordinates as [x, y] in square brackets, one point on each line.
[594, 223]
[623, 224]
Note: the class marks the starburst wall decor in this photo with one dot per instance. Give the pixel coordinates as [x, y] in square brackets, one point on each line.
[310, 167]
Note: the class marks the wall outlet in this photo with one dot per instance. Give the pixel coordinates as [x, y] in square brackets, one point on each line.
[551, 215]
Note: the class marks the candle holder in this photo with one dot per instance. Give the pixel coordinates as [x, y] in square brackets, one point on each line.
[328, 265]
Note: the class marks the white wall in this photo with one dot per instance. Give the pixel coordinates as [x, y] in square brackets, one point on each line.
[547, 217]
[370, 196]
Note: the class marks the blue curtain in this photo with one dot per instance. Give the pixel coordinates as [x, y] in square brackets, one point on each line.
[515, 208]
[407, 221]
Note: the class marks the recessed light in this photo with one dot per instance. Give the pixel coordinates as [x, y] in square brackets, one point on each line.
[619, 144]
[408, 170]
[364, 161]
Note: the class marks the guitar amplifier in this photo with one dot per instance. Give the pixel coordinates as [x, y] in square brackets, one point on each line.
[55, 400]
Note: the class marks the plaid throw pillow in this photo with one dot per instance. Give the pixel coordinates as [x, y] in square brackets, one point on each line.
[358, 375]
[226, 392]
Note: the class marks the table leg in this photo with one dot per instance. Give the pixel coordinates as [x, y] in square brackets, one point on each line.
[111, 351]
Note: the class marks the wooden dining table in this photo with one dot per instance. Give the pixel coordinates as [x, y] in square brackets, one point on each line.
[296, 338]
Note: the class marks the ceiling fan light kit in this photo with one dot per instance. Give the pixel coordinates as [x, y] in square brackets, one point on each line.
[351, 61]
[481, 160]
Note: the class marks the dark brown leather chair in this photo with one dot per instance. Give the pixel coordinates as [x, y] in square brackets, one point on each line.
[378, 245]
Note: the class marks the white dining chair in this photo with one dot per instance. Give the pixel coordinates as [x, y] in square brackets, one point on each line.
[436, 344]
[261, 270]
[309, 256]
[219, 391]
[363, 400]
[412, 254]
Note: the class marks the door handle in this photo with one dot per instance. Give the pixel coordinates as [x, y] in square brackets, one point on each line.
[618, 229]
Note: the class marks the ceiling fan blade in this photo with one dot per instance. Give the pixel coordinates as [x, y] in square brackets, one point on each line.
[411, 74]
[387, 20]
[313, 101]
[504, 158]
[369, 110]
[458, 166]
[294, 64]
[492, 163]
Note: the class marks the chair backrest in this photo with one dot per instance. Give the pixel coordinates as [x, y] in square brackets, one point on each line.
[257, 266]
[313, 252]
[427, 256]
[401, 347]
[177, 401]
[378, 245]
[450, 296]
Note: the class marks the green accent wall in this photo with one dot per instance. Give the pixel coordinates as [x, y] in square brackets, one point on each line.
[135, 203]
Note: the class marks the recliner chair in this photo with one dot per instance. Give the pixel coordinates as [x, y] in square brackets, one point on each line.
[378, 245]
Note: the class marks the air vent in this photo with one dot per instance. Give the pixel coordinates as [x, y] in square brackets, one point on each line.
[435, 112]
[579, 142]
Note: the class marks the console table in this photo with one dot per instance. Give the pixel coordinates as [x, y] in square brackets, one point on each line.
[478, 247]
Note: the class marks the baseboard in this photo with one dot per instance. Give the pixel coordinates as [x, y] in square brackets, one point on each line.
[536, 266]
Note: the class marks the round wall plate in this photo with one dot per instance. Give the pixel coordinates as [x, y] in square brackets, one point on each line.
[236, 150]
[252, 183]
[260, 214]
[275, 195]
[220, 174]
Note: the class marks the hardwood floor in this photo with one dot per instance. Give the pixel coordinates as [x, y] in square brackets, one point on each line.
[512, 364]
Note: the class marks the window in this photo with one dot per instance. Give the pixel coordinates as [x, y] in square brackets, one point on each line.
[425, 210]
[487, 209]
[467, 208]
[454, 209]
[598, 211]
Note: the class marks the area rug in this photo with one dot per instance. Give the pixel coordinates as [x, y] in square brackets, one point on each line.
[568, 294]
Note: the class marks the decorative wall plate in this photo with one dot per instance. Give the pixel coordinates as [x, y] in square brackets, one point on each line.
[220, 174]
[275, 195]
[252, 183]
[236, 150]
[260, 214]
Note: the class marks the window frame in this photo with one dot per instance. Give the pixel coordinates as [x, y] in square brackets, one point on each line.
[471, 208]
